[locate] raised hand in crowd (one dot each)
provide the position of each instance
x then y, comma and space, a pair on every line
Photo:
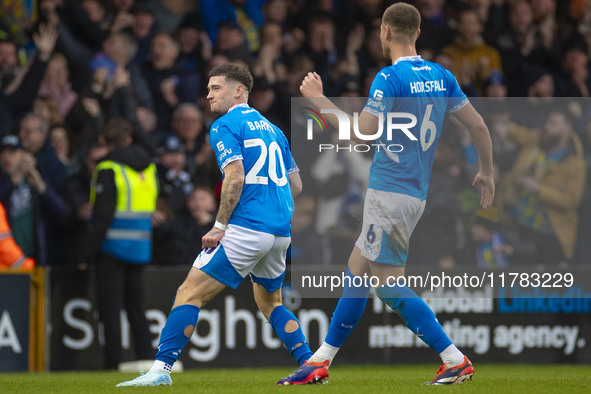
91, 106
168, 89
355, 41
120, 79
32, 173
123, 20
99, 79
45, 41
206, 45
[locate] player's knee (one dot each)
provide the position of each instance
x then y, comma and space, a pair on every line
186, 294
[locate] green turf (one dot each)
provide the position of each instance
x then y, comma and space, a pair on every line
503, 379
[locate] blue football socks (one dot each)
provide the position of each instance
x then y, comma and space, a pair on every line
417, 315
181, 321
292, 337
348, 312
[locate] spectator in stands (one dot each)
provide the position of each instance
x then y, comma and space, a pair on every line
276, 11
175, 182
170, 83
59, 139
196, 47
573, 79
522, 48
231, 42
539, 84
17, 93
178, 240
187, 125
88, 20
87, 115
268, 63
271, 101
371, 58
472, 59
495, 85
56, 84
47, 108
9, 66
118, 51
95, 10
358, 13
33, 207
77, 196
491, 251
545, 187
144, 29
307, 246
321, 48
247, 14
33, 132
435, 30
168, 13
545, 21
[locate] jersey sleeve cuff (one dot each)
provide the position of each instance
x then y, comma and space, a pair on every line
458, 106
372, 111
230, 159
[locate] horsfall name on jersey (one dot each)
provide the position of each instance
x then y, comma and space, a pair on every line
427, 86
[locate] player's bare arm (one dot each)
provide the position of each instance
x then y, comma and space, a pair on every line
311, 88
231, 192
472, 120
295, 184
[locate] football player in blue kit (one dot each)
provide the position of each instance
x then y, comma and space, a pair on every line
252, 229
422, 93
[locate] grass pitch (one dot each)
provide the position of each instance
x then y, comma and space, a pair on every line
375, 379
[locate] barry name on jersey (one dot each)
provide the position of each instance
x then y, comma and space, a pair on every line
427, 86
259, 125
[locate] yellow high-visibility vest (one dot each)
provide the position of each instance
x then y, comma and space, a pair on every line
129, 236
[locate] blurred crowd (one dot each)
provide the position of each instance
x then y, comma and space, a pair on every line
68, 66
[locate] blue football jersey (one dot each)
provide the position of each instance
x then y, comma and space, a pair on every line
411, 91
266, 203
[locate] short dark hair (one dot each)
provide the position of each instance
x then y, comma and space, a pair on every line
234, 72
402, 18
116, 131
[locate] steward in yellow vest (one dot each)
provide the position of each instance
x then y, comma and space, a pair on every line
123, 195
